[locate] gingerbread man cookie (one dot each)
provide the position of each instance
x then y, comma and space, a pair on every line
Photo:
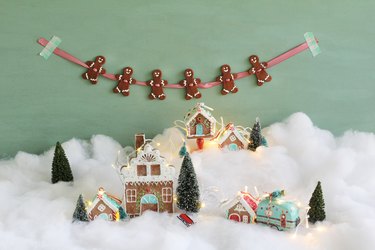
157, 85
94, 70
124, 82
227, 79
259, 69
190, 83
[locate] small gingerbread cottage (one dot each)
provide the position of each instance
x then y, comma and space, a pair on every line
232, 138
148, 181
105, 206
242, 208
199, 122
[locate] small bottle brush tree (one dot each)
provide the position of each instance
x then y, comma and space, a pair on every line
255, 136
183, 150
187, 189
60, 166
316, 212
80, 213
122, 213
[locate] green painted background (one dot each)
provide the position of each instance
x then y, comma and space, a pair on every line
45, 101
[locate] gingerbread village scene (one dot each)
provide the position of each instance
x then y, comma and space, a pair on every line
202, 125
151, 185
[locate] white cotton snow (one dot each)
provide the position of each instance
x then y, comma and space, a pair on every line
35, 214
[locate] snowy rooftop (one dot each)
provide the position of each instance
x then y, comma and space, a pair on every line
199, 108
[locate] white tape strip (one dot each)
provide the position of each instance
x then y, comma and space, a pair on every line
311, 42
50, 47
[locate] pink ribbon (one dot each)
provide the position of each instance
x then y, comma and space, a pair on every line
290, 53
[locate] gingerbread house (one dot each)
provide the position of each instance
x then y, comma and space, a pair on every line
242, 208
105, 206
231, 138
148, 181
199, 122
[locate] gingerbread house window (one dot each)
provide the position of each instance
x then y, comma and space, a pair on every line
141, 170
232, 138
166, 194
155, 169
192, 123
101, 207
206, 123
245, 219
131, 195
239, 207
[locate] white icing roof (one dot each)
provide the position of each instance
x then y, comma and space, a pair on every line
147, 156
200, 108
229, 128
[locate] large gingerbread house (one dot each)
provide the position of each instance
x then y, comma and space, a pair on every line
242, 208
232, 138
105, 206
148, 181
199, 122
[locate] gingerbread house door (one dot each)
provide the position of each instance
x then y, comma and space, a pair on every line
235, 217
149, 202
233, 147
199, 129
104, 216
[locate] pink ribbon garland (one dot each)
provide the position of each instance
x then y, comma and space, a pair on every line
292, 52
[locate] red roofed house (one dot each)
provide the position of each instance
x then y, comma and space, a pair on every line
242, 208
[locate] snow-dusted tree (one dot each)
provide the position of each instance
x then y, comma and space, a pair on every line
188, 189
183, 150
316, 212
255, 136
80, 213
60, 166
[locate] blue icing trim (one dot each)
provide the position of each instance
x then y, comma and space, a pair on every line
113, 202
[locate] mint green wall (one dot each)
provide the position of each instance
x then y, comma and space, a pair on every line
45, 101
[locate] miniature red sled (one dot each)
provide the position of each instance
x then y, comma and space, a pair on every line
185, 219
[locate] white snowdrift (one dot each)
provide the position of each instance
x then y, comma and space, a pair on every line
35, 214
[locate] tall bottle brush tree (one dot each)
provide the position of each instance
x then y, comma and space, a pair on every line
60, 166
80, 213
316, 212
255, 136
188, 189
